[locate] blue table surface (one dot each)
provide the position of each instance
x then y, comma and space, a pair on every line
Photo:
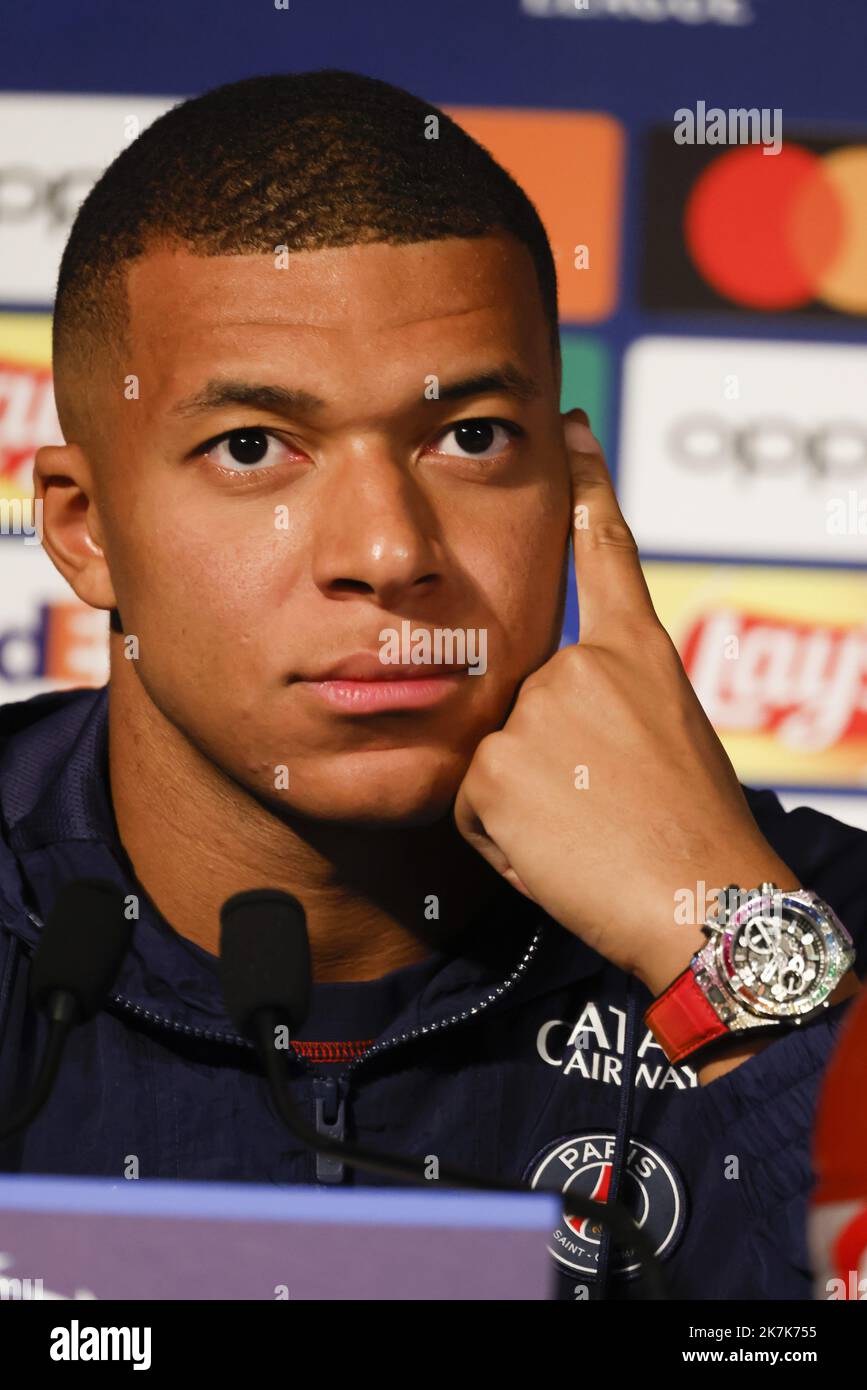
254, 1202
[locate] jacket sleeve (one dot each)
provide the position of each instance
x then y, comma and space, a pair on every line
827, 856
759, 1120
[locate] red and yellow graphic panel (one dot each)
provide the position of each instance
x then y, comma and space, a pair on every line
778, 658
27, 414
750, 232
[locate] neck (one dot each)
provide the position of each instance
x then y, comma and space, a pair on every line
194, 837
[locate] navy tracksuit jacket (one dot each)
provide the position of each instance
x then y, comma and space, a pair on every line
524, 1056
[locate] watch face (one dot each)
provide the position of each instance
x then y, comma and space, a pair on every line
774, 955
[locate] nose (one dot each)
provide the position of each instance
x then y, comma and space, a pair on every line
376, 532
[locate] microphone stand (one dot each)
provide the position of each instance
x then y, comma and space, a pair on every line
61, 1010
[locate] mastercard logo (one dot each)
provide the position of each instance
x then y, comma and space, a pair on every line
777, 232
735, 228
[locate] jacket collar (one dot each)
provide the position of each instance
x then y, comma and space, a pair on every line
55, 784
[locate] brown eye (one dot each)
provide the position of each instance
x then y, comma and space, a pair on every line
243, 450
481, 439
476, 436
248, 446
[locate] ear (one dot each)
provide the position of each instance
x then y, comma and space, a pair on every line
69, 523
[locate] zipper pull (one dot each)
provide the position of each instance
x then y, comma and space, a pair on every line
330, 1120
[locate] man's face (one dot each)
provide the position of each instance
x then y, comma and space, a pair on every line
249, 565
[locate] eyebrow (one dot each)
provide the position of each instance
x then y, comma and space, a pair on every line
284, 400
280, 400
506, 379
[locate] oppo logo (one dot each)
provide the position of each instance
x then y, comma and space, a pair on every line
770, 446
27, 193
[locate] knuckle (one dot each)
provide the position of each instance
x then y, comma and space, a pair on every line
530, 683
488, 758
579, 663
659, 644
574, 659
533, 694
614, 533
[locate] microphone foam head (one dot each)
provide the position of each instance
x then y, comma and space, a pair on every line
84, 940
264, 957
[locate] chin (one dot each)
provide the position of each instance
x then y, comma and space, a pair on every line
409, 792
399, 818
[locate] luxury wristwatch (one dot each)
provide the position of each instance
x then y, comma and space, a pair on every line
772, 960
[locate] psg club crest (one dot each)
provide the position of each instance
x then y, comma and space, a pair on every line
651, 1189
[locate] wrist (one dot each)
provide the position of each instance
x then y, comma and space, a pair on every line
672, 952
673, 945
774, 958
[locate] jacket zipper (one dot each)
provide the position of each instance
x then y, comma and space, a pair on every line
331, 1092
207, 1033
507, 984
330, 1095
334, 1090
210, 1035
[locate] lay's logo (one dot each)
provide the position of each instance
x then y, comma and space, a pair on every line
807, 685
784, 684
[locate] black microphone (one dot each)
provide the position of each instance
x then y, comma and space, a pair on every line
84, 940
265, 973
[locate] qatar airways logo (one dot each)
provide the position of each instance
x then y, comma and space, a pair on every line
805, 684
444, 646
593, 1047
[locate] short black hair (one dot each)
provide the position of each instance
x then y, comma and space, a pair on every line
296, 160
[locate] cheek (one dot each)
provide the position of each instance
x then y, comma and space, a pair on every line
197, 582
520, 561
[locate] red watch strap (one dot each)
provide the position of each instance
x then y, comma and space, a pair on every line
682, 1020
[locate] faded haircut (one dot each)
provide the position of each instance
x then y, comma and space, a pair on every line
303, 161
